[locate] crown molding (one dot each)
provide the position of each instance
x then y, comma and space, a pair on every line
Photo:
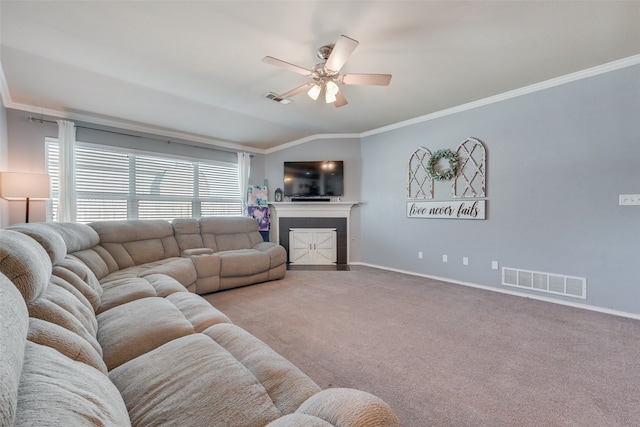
4, 88
568, 78
134, 127
118, 124
312, 138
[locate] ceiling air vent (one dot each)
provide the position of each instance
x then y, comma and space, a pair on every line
277, 98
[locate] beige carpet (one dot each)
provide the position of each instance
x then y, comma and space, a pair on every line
448, 355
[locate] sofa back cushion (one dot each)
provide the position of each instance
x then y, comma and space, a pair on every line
66, 342
57, 391
76, 236
137, 242
13, 333
46, 236
84, 282
229, 233
25, 263
59, 239
187, 231
57, 299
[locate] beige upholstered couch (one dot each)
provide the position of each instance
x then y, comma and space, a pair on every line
98, 327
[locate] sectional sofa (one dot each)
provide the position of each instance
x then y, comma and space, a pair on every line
102, 324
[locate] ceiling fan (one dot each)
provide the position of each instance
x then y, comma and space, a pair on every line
326, 74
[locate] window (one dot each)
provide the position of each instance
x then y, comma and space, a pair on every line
113, 184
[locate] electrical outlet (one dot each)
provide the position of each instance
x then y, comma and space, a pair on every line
629, 199
494, 265
465, 260
444, 258
419, 254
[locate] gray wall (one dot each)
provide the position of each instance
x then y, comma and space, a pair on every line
345, 149
557, 161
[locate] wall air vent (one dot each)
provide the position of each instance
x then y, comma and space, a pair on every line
275, 97
558, 284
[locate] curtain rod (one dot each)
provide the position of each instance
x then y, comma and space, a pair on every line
33, 119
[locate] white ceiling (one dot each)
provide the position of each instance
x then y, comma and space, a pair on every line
194, 67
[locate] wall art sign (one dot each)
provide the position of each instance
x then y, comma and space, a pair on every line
465, 167
466, 170
454, 209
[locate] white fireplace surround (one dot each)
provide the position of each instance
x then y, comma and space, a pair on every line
341, 209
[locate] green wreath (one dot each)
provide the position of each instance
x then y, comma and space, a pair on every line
443, 175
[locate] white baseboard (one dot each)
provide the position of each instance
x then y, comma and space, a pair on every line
507, 291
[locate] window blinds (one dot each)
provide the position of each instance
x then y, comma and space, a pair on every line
113, 184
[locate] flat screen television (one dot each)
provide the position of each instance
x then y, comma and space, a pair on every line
314, 179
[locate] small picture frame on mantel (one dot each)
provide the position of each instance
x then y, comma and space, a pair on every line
278, 195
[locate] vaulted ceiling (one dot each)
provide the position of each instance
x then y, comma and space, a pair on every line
194, 68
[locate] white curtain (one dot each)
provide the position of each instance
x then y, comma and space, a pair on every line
67, 195
244, 168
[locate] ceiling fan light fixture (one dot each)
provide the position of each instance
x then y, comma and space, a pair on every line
332, 87
326, 75
330, 97
314, 92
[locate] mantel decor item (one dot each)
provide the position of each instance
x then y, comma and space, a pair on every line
279, 195
443, 174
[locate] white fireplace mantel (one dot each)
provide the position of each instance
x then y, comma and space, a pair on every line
338, 209
312, 209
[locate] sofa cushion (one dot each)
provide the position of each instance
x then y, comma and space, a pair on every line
13, 335
299, 420
68, 302
197, 310
58, 306
81, 288
192, 381
76, 236
121, 291
349, 407
25, 263
137, 242
181, 269
229, 242
66, 342
85, 274
57, 391
46, 236
187, 232
137, 327
229, 233
243, 262
164, 285
98, 260
277, 254
287, 386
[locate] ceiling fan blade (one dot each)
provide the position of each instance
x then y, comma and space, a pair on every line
342, 50
366, 79
291, 67
297, 90
340, 100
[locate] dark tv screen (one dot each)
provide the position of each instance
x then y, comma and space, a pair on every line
314, 179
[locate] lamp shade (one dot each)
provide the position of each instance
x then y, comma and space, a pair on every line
17, 186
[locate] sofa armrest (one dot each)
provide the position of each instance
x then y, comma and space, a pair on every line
349, 407
277, 253
196, 252
207, 264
